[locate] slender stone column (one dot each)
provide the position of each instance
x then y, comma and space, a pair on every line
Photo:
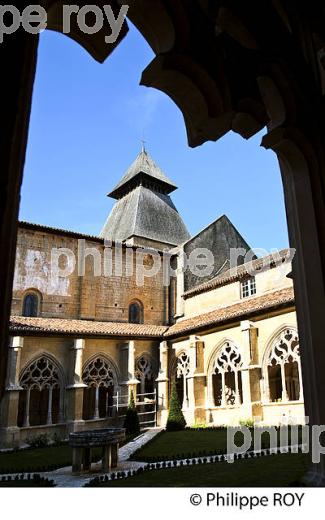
27, 405
283, 381
132, 381
76, 387
49, 407
237, 396
223, 389
96, 412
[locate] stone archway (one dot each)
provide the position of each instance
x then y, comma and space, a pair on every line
237, 76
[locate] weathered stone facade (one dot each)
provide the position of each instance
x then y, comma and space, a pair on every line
84, 335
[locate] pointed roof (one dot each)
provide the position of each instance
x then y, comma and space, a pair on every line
143, 168
146, 214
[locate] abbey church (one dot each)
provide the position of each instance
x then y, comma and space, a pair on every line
85, 332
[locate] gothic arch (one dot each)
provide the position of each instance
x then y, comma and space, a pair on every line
224, 376
145, 372
108, 359
51, 359
101, 376
281, 366
41, 399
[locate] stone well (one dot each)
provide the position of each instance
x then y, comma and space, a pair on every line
82, 442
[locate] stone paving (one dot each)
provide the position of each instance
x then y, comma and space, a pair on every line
63, 477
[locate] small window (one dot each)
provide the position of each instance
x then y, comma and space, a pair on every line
248, 287
30, 305
135, 313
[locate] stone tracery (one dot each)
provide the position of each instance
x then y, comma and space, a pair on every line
41, 401
284, 368
99, 376
226, 379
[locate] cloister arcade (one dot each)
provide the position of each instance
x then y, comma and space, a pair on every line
280, 380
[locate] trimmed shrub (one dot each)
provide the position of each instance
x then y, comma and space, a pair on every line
131, 421
176, 420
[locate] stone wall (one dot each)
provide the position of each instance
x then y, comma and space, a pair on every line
102, 298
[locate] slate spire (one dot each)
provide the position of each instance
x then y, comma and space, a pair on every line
144, 210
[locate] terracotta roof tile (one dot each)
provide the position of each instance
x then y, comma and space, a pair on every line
245, 307
21, 324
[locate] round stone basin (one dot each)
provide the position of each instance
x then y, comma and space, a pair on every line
96, 438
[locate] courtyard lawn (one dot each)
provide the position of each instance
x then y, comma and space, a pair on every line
38, 459
190, 442
274, 470
43, 459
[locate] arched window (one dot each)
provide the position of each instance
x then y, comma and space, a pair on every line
182, 371
31, 304
225, 380
41, 401
135, 312
144, 373
99, 376
284, 368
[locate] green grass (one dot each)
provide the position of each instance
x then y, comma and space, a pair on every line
39, 459
36, 459
274, 470
188, 442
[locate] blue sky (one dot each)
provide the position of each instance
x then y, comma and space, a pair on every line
86, 126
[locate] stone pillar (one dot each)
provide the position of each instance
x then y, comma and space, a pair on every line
196, 382
86, 459
9, 432
114, 455
76, 387
132, 382
163, 384
77, 455
302, 163
107, 458
250, 371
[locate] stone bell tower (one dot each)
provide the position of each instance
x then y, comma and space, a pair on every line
144, 213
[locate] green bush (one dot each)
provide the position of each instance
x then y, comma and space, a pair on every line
131, 421
176, 420
249, 423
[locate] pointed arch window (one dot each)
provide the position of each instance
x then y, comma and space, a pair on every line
136, 312
226, 382
283, 369
145, 374
31, 304
182, 370
100, 377
41, 401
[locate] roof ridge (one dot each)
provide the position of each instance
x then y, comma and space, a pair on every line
235, 273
